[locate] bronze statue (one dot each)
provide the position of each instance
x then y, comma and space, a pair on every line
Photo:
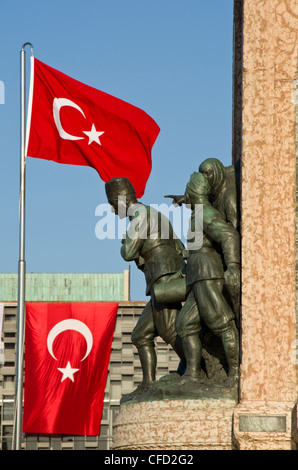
225, 197
216, 262
210, 268
224, 188
158, 253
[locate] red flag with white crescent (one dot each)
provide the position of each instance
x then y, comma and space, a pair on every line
67, 352
72, 123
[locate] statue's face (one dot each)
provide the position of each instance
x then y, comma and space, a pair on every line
208, 173
118, 206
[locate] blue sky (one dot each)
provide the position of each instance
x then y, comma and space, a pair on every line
171, 58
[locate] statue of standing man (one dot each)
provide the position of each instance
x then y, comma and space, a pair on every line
217, 260
151, 243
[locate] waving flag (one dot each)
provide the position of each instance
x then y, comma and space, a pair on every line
67, 351
73, 123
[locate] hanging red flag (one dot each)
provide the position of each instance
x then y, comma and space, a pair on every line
73, 123
67, 351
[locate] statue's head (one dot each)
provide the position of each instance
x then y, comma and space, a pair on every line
121, 194
215, 172
197, 189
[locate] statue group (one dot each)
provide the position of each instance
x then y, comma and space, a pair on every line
194, 291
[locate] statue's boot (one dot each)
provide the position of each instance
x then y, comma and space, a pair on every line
230, 341
139, 391
187, 384
192, 348
148, 361
178, 348
177, 345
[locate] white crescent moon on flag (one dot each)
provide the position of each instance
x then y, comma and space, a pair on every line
70, 324
58, 103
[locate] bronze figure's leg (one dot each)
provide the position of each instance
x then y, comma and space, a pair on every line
188, 327
230, 342
165, 316
193, 353
143, 338
219, 318
148, 360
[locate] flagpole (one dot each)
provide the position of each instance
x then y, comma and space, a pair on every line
18, 411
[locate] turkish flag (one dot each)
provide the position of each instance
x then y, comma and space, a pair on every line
67, 352
73, 123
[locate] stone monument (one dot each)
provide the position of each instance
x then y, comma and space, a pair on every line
257, 408
207, 389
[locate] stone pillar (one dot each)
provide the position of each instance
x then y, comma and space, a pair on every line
266, 416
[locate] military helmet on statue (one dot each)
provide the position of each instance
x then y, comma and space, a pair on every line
119, 186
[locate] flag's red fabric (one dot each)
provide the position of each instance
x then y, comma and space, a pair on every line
73, 123
67, 351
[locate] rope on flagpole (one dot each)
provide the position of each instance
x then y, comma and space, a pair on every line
18, 409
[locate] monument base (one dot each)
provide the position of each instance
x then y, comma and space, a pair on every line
204, 424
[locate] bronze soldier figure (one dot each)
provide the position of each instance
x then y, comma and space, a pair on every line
223, 189
151, 243
225, 197
205, 274
208, 267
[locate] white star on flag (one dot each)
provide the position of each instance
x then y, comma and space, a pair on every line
67, 372
93, 135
